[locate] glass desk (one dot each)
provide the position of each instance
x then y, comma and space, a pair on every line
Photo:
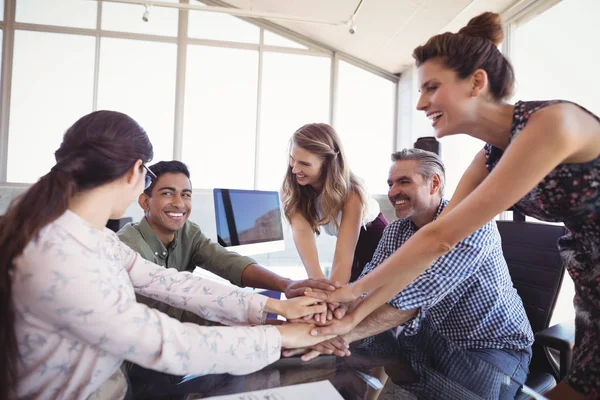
417, 367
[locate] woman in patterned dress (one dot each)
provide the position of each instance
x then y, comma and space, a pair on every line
543, 156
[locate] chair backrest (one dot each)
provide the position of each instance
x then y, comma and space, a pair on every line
535, 266
116, 224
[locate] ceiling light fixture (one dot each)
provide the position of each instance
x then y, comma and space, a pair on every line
146, 15
232, 11
351, 23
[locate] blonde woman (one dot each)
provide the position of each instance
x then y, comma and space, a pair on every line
320, 191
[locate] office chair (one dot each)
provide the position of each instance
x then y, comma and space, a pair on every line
116, 224
537, 270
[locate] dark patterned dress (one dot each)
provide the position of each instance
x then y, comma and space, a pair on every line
570, 194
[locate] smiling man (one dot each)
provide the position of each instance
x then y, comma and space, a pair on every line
465, 302
166, 237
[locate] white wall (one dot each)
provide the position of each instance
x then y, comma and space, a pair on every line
412, 124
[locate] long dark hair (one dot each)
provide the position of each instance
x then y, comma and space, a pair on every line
99, 148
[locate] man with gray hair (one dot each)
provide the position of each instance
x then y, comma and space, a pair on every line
465, 303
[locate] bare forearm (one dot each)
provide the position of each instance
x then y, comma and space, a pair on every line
340, 273
375, 299
342, 265
310, 260
382, 319
347, 239
307, 250
258, 277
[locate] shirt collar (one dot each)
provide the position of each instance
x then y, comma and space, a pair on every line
152, 239
82, 231
443, 204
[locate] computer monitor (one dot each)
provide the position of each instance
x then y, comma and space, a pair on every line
248, 221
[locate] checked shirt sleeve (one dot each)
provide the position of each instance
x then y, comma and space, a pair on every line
446, 273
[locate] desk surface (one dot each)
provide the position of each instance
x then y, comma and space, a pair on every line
417, 368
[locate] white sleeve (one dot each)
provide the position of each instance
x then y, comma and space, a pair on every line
76, 295
204, 297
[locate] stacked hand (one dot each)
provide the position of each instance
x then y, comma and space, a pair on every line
334, 310
336, 300
343, 294
295, 308
294, 336
332, 343
297, 288
317, 319
337, 346
335, 321
308, 309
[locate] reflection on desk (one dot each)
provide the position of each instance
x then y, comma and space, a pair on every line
319, 390
413, 368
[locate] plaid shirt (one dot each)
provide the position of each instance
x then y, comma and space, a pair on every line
467, 294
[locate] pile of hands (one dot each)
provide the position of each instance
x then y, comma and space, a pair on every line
319, 319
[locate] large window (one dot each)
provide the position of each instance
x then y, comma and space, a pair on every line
550, 64
365, 123
224, 95
213, 95
220, 116
272, 39
52, 86
295, 92
457, 153
72, 13
214, 26
137, 78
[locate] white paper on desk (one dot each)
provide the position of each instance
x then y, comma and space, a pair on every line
314, 390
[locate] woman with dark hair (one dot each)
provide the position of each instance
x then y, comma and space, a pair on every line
68, 314
543, 157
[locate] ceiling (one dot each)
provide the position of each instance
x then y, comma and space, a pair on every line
387, 30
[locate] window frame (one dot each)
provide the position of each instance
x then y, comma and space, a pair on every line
9, 26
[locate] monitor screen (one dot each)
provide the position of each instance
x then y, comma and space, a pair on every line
247, 217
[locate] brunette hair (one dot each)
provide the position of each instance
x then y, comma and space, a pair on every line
474, 47
99, 148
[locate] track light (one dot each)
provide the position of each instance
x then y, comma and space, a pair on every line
224, 10
351, 26
146, 16
351, 23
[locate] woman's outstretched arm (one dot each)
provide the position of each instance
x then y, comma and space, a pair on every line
306, 244
550, 138
341, 269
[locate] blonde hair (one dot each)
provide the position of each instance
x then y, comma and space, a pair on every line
339, 182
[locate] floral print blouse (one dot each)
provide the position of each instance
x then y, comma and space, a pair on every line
77, 318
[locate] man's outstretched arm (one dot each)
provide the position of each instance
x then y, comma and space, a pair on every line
259, 277
384, 318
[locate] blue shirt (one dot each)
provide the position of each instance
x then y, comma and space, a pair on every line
467, 294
